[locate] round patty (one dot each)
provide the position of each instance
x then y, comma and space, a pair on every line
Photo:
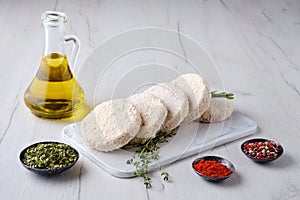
153, 112
175, 100
219, 110
197, 92
111, 125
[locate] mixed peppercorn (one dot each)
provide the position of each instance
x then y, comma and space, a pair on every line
261, 150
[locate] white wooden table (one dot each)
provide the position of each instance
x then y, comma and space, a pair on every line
256, 46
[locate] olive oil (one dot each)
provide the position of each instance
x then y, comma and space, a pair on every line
54, 92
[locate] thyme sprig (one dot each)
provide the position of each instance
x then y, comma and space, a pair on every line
145, 154
222, 94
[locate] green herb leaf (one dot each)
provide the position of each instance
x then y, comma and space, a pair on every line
146, 153
129, 161
215, 94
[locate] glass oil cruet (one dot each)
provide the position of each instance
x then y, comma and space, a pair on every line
54, 93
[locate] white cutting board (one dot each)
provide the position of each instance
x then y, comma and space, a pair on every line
190, 139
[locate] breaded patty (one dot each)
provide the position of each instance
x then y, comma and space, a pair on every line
219, 110
111, 125
176, 102
153, 112
197, 92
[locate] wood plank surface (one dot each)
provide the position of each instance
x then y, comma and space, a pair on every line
255, 45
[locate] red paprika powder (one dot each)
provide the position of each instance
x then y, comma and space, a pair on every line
212, 168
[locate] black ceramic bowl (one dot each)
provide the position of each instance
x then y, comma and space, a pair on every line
262, 160
223, 161
45, 171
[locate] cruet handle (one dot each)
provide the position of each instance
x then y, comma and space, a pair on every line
75, 49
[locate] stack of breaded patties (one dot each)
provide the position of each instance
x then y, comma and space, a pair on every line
162, 107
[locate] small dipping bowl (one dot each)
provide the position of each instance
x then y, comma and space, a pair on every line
262, 160
48, 171
221, 160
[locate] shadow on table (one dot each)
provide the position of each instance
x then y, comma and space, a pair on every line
234, 180
76, 172
285, 161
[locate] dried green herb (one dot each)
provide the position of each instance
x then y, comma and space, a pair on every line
145, 154
49, 156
